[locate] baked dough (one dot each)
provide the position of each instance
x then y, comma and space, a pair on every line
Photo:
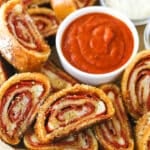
45, 20
115, 133
142, 132
20, 42
58, 78
135, 85
84, 140
71, 110
20, 98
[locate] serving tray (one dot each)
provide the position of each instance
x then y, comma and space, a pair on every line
54, 57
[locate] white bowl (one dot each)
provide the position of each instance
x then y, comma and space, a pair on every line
131, 9
90, 78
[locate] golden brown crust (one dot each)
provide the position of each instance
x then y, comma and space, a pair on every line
142, 132
26, 51
82, 140
45, 20
20, 98
84, 3
58, 78
63, 8
71, 110
115, 133
135, 85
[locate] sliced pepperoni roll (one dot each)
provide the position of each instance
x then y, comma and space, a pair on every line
21, 44
45, 20
142, 132
115, 133
20, 98
135, 85
71, 110
84, 140
58, 78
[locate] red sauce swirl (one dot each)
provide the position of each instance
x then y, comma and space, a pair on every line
97, 43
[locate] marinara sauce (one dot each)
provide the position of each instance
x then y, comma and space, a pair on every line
97, 43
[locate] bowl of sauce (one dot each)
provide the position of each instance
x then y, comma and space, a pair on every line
95, 44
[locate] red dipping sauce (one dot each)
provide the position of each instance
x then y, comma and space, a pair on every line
97, 43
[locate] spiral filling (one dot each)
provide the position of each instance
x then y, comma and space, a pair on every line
71, 108
138, 85
18, 105
21, 26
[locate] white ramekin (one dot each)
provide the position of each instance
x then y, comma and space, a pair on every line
90, 78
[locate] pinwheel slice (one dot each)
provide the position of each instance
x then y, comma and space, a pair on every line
20, 98
135, 85
84, 3
84, 140
58, 78
20, 42
45, 20
71, 110
142, 132
115, 133
63, 8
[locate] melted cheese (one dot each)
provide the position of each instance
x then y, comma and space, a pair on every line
18, 9
37, 90
34, 139
100, 107
121, 141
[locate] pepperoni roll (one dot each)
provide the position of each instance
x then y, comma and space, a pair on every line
58, 78
20, 98
135, 85
115, 133
71, 110
45, 20
84, 140
20, 42
142, 132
